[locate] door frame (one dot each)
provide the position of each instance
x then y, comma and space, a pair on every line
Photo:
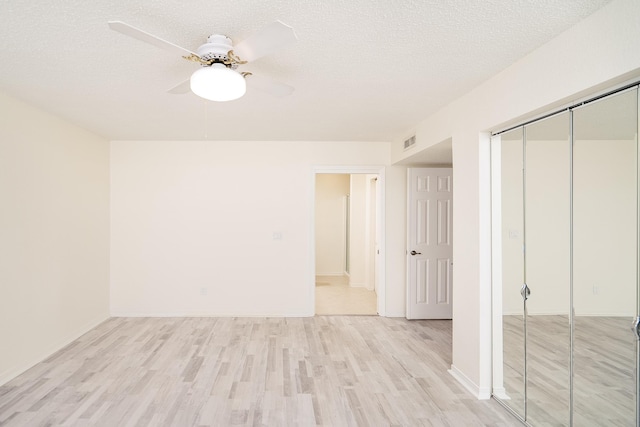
373, 228
497, 365
380, 214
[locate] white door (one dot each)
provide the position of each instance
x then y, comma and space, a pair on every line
430, 250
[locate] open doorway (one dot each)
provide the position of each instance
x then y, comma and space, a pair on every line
346, 244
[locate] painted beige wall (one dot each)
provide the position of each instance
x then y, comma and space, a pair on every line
54, 234
601, 51
187, 240
331, 190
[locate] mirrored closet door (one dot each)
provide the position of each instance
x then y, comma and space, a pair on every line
565, 265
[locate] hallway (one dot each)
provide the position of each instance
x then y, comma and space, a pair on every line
335, 296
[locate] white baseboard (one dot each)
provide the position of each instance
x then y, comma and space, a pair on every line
607, 314
501, 393
202, 314
401, 314
565, 314
539, 313
481, 393
14, 371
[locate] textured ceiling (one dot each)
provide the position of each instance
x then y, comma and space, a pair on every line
364, 70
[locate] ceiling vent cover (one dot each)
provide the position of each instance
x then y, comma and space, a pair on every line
410, 142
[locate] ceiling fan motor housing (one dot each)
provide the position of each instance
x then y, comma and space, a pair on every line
216, 48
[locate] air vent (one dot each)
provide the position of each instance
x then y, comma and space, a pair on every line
409, 142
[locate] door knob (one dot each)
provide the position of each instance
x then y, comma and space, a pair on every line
415, 253
636, 327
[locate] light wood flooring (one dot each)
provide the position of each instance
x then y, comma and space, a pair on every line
335, 296
604, 370
323, 370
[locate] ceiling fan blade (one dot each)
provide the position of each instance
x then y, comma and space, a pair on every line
180, 88
269, 86
271, 38
136, 33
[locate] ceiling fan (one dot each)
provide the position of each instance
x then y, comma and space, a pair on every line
218, 78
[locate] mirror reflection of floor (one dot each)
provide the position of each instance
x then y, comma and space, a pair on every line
604, 369
335, 296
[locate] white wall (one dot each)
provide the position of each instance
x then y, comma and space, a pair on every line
605, 228
193, 226
604, 211
601, 51
358, 230
54, 234
511, 210
395, 250
331, 190
547, 226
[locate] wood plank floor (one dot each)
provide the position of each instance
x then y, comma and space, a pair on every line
604, 370
323, 370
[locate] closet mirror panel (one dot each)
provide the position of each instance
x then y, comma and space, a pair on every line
565, 222
547, 219
605, 260
510, 319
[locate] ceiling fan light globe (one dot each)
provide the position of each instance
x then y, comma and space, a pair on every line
218, 83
